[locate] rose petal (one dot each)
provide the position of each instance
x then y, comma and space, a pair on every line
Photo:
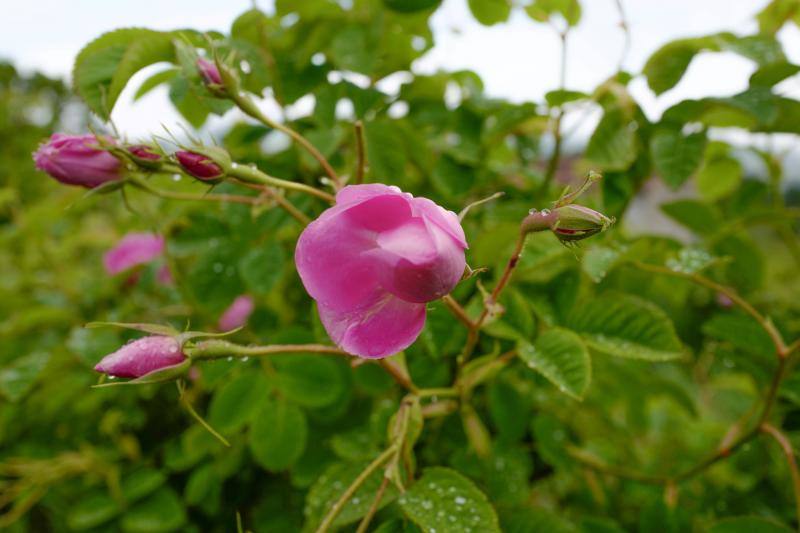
133, 249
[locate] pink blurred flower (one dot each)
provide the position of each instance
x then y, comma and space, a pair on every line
199, 165
236, 315
372, 262
209, 72
132, 250
141, 357
77, 160
164, 276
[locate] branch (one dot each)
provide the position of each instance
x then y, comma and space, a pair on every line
555, 157
362, 527
285, 204
247, 105
175, 195
217, 349
786, 447
326, 524
253, 175
458, 311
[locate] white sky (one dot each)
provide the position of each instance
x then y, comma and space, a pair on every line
517, 60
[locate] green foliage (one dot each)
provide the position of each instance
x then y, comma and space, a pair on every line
634, 326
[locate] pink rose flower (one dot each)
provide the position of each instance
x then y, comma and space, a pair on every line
208, 71
141, 357
199, 165
236, 315
373, 260
77, 160
132, 250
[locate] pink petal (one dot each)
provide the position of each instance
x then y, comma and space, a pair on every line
134, 249
335, 257
359, 193
447, 220
386, 327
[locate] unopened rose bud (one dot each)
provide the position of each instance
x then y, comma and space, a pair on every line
200, 166
77, 160
211, 77
236, 315
144, 153
576, 222
142, 356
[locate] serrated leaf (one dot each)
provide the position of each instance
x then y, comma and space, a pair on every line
676, 156
699, 217
598, 261
154, 81
561, 356
719, 177
104, 66
309, 380
626, 326
278, 435
741, 331
691, 260
613, 144
262, 267
444, 500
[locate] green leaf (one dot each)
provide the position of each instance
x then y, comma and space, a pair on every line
386, 156
533, 520
18, 378
741, 331
691, 260
328, 488
444, 500
91, 511
411, 6
490, 12
309, 380
154, 81
104, 66
719, 177
613, 144
262, 267
598, 261
201, 485
626, 326
278, 435
560, 97
773, 73
699, 217
676, 156
776, 14
748, 524
543, 10
162, 511
351, 49
238, 401
560, 356
140, 483
746, 269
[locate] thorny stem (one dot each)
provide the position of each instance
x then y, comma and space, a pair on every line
327, 522
786, 447
253, 175
218, 349
285, 204
246, 104
459, 312
361, 162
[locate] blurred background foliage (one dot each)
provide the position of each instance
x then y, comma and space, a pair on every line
301, 427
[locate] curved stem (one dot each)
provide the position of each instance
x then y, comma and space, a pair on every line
555, 157
246, 104
458, 311
786, 447
327, 522
285, 204
253, 175
362, 527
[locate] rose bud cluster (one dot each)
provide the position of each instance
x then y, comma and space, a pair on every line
373, 260
78, 160
143, 356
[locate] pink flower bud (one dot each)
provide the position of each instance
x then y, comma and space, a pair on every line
236, 315
132, 250
141, 357
77, 160
372, 262
144, 152
199, 165
576, 222
209, 72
